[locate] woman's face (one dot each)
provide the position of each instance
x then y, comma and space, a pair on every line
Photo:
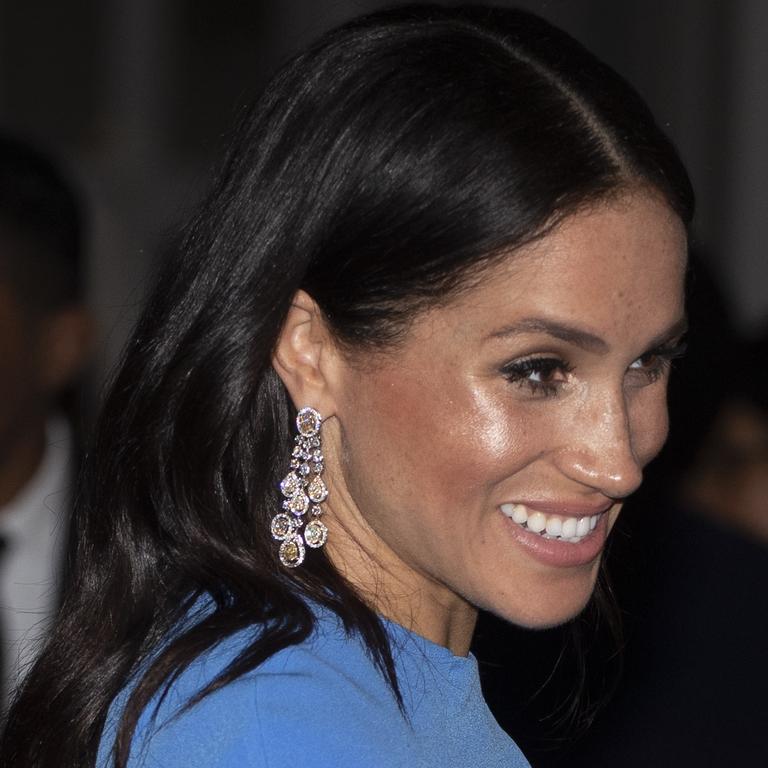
485, 460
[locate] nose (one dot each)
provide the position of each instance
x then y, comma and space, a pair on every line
600, 452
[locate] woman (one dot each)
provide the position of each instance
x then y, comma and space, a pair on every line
410, 362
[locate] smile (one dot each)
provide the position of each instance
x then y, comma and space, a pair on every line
569, 529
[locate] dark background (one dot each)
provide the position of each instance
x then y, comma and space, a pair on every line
136, 97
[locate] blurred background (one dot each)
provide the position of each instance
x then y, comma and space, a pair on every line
135, 99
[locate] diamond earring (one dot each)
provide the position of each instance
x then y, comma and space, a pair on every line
304, 492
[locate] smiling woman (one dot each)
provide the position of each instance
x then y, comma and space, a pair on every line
408, 364
484, 459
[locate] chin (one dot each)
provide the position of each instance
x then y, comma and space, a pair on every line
553, 606
548, 620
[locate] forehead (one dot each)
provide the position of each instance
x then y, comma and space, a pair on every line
611, 269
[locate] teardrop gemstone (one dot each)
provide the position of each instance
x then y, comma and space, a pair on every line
316, 490
290, 485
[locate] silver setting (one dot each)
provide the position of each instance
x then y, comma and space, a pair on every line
316, 490
292, 552
315, 533
282, 526
304, 490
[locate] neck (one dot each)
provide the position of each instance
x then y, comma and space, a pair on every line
397, 592
451, 627
19, 462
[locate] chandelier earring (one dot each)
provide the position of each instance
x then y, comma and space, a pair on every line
299, 525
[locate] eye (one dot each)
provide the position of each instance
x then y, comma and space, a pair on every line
543, 376
654, 364
650, 366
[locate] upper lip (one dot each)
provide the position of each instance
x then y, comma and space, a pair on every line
566, 508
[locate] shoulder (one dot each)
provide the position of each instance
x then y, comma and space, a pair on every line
321, 703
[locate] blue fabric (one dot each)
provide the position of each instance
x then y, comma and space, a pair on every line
323, 704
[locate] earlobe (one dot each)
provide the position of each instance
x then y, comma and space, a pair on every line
305, 355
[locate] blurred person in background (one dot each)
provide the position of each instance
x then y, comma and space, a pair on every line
45, 333
728, 478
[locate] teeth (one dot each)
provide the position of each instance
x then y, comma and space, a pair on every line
554, 526
568, 529
537, 522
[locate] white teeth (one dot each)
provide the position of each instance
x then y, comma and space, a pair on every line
568, 529
554, 526
537, 522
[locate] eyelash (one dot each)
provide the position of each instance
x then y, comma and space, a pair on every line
519, 371
664, 356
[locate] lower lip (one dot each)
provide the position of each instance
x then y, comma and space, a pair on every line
561, 554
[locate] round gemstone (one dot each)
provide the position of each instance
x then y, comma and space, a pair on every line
292, 552
298, 504
316, 490
315, 533
308, 422
282, 526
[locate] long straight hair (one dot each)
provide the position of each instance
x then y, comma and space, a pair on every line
380, 171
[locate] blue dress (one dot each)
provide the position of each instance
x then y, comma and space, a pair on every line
323, 704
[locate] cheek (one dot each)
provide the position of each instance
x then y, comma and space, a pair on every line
449, 441
391, 433
504, 435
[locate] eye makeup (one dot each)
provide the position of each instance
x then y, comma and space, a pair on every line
544, 375
656, 362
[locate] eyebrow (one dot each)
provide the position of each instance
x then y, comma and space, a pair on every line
577, 336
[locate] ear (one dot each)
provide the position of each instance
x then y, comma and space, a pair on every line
66, 342
306, 357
